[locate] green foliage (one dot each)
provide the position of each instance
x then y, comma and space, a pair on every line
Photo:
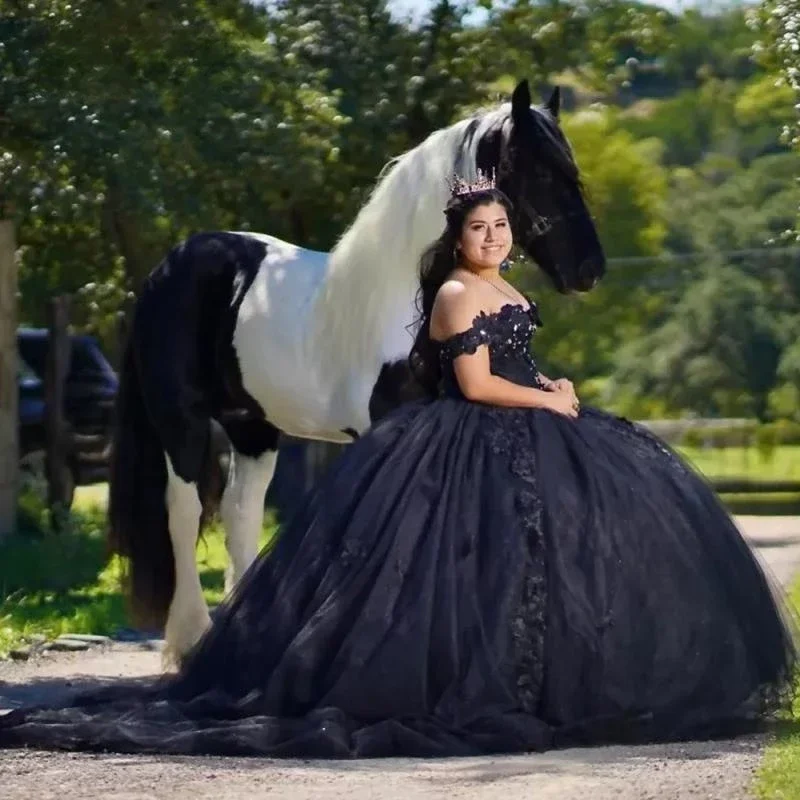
724, 116
765, 99
777, 776
140, 124
702, 45
719, 205
778, 49
404, 84
126, 127
626, 186
595, 39
716, 351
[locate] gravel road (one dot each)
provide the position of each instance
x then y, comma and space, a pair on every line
710, 770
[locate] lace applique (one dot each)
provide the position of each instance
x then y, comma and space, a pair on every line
507, 333
640, 440
510, 436
465, 342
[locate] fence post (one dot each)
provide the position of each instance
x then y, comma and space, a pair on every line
57, 462
9, 390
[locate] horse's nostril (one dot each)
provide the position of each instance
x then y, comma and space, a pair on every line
590, 271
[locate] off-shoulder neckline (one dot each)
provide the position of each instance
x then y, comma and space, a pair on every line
484, 315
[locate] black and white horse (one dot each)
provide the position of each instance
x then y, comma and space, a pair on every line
266, 337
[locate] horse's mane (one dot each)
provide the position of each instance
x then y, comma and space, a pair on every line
555, 148
372, 275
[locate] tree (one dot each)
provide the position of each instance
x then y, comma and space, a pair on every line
594, 40
135, 125
404, 84
716, 350
703, 45
778, 50
718, 205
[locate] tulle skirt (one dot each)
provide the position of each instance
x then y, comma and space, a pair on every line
465, 580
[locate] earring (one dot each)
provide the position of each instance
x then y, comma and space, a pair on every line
506, 265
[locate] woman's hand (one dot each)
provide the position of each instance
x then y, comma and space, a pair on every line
563, 402
562, 385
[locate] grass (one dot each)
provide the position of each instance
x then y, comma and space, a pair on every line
778, 777
52, 584
66, 583
783, 463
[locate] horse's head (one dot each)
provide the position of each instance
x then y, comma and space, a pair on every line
536, 169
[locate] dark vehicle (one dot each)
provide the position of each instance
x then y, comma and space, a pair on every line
91, 387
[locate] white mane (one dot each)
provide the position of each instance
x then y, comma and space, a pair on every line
372, 271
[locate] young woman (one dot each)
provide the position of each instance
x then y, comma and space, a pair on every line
493, 569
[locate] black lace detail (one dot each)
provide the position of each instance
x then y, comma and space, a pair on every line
465, 342
510, 435
639, 439
507, 333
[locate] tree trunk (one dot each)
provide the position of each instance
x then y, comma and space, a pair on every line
133, 240
9, 419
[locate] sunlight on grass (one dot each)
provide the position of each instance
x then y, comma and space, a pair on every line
783, 463
65, 583
778, 777
90, 498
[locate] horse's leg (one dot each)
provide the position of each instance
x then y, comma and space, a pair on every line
255, 445
188, 613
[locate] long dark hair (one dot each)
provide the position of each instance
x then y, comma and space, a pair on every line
436, 264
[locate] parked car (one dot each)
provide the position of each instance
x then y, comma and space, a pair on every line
89, 393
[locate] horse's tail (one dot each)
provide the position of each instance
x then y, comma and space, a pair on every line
169, 385
137, 509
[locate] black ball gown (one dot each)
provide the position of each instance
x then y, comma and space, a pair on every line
472, 579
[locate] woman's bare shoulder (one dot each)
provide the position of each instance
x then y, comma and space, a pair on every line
455, 308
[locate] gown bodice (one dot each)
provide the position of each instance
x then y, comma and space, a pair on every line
507, 333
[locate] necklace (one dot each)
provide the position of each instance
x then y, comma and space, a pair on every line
516, 300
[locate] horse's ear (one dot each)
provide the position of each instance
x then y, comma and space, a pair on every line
521, 100
554, 103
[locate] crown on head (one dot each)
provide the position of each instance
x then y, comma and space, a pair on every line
484, 182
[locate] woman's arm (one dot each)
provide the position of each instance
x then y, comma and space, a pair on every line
453, 312
479, 385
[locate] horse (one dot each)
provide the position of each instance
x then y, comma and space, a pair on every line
265, 338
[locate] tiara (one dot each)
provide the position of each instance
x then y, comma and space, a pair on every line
484, 182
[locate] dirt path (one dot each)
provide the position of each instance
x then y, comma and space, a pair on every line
711, 770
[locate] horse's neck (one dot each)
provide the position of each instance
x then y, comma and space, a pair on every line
367, 301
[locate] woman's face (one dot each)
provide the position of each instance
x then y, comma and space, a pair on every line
486, 237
